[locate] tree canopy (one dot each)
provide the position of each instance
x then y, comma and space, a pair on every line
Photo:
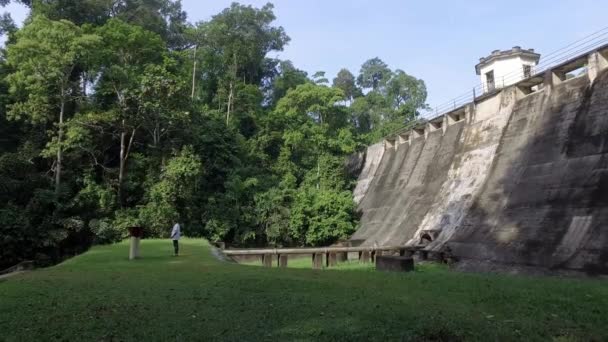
122, 113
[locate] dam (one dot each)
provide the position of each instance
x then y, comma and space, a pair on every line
516, 179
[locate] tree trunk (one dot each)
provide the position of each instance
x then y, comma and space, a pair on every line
121, 170
194, 74
59, 149
230, 94
125, 150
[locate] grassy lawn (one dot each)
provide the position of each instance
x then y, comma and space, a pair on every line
102, 296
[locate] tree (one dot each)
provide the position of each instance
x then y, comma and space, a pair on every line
127, 55
345, 81
285, 77
163, 17
45, 56
407, 92
236, 43
313, 101
169, 198
374, 74
319, 78
152, 119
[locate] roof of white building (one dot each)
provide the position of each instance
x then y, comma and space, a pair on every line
498, 54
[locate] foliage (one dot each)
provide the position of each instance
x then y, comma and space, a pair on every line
121, 113
374, 74
346, 82
320, 217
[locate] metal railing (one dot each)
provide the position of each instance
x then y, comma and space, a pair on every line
584, 45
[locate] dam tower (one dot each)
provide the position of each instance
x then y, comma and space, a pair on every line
503, 68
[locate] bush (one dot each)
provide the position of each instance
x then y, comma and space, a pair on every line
106, 232
320, 217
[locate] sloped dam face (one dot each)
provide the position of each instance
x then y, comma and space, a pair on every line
522, 180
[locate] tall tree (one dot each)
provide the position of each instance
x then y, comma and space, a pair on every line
44, 57
128, 51
407, 93
319, 77
236, 42
374, 74
286, 77
164, 17
345, 81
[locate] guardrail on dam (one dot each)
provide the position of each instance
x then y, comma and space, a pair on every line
517, 177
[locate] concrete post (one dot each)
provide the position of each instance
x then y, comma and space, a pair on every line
597, 62
332, 260
552, 78
317, 261
134, 249
444, 125
404, 138
364, 256
267, 260
389, 144
377, 254
283, 260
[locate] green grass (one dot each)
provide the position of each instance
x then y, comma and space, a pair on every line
101, 296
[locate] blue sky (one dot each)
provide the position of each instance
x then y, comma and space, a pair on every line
438, 41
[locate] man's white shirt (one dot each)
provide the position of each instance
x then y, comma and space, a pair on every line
176, 233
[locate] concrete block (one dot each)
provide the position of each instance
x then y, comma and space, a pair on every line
597, 62
394, 263
553, 78
389, 144
406, 252
417, 132
404, 138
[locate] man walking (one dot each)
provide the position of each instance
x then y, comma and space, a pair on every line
175, 235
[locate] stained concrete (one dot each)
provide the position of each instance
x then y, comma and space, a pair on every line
371, 160
523, 182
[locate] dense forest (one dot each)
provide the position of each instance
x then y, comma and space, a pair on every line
116, 113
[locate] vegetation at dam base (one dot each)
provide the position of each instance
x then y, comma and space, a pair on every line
196, 297
110, 119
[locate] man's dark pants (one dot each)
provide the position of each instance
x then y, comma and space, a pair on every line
176, 246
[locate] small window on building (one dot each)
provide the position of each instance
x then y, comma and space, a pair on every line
527, 71
490, 80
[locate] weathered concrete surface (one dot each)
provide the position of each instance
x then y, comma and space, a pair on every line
546, 201
524, 182
372, 157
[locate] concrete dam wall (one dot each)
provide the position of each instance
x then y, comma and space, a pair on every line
519, 177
